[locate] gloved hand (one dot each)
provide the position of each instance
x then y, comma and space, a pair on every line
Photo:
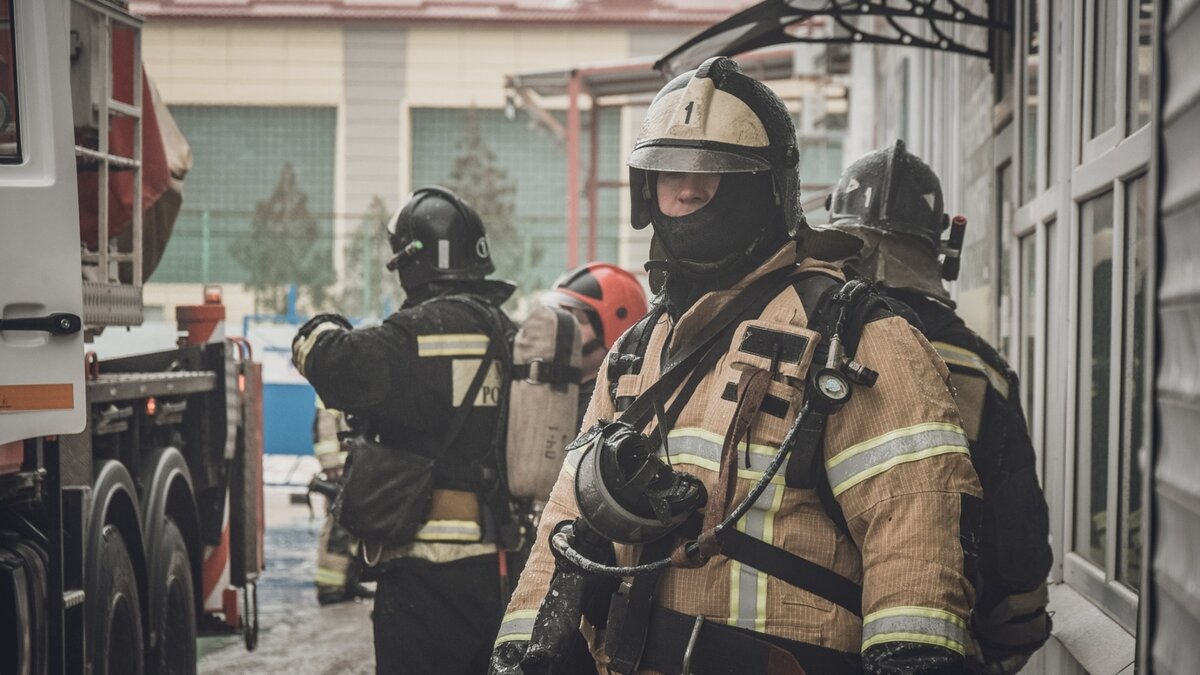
307, 336
506, 658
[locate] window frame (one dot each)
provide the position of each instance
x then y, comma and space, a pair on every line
1084, 168
1095, 146
1113, 170
19, 150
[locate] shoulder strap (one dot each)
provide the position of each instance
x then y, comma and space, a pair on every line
497, 349
689, 356
627, 358
493, 486
806, 469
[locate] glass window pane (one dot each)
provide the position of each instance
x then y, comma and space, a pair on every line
1135, 440
10, 148
1141, 58
1030, 110
1004, 82
1092, 437
1029, 324
1004, 197
1054, 56
1104, 66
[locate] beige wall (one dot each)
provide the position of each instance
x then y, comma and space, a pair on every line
455, 66
230, 64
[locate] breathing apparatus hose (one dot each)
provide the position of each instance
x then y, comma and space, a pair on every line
560, 541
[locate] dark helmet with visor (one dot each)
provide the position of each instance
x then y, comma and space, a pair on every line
888, 211
437, 236
715, 119
889, 191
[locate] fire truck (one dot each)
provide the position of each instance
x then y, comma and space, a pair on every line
130, 488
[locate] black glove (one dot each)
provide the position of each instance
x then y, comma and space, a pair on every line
506, 658
301, 344
911, 658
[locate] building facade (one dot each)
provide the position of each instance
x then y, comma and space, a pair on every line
361, 106
1085, 278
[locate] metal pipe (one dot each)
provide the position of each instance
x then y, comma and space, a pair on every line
593, 165
573, 124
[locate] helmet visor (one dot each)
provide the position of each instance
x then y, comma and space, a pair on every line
695, 160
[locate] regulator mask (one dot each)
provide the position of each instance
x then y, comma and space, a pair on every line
625, 492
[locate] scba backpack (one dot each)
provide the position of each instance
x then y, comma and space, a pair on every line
543, 401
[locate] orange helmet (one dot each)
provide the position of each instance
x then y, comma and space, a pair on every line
612, 297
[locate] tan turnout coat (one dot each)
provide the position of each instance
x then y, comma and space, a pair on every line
897, 460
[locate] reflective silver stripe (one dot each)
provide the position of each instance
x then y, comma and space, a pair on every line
452, 344
702, 448
915, 624
748, 586
517, 626
871, 458
450, 530
300, 351
958, 356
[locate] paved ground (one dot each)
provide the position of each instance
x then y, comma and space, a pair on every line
297, 636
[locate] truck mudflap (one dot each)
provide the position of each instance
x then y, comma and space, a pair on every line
245, 485
232, 567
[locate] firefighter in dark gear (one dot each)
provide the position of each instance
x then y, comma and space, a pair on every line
339, 567
605, 300
890, 203
714, 171
439, 599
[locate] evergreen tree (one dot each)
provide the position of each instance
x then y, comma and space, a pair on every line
368, 288
477, 177
285, 245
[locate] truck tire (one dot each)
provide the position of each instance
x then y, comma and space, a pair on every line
174, 596
116, 616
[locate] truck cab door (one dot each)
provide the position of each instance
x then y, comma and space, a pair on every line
41, 297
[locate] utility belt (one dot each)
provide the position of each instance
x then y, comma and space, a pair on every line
454, 517
678, 643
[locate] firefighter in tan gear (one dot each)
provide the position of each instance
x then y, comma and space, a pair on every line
842, 543
338, 564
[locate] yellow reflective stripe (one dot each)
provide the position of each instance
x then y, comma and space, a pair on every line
326, 447
328, 577
300, 351
915, 624
747, 585
450, 530
516, 625
954, 355
872, 457
452, 344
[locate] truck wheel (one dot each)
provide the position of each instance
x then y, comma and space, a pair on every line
116, 615
174, 595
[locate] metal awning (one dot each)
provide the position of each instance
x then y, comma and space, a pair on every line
634, 77
611, 84
945, 25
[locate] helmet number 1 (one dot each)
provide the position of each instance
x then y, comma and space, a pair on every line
689, 108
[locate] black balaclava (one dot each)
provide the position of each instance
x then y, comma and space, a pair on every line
720, 243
